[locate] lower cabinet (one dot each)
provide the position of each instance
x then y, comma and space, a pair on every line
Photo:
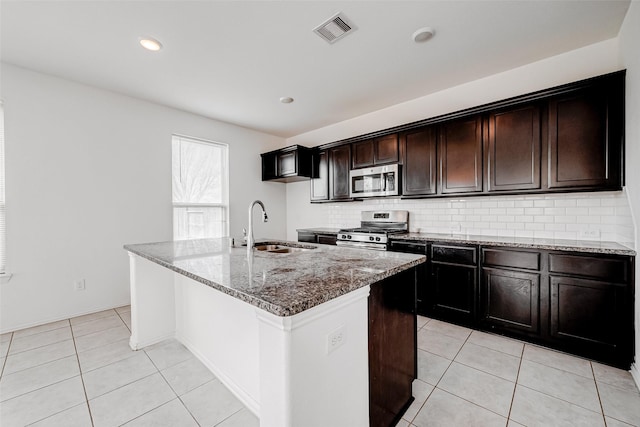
576, 302
453, 287
579, 303
317, 237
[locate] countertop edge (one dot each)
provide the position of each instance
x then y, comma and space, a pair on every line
279, 310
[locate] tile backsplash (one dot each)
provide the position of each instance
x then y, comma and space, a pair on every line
602, 216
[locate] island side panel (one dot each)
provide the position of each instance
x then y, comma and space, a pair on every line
152, 303
222, 332
392, 347
302, 381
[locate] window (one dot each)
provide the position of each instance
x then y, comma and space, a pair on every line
200, 188
3, 256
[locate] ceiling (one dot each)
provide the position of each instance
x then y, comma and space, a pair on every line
233, 60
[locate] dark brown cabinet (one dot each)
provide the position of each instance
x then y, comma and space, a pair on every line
322, 238
460, 156
339, 167
320, 182
453, 287
289, 164
422, 276
513, 155
585, 134
374, 152
591, 305
392, 348
419, 161
510, 290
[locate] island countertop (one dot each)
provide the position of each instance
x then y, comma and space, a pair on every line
282, 284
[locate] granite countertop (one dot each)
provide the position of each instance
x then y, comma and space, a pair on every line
282, 284
521, 242
320, 230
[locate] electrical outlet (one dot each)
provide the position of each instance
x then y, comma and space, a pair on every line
336, 338
78, 285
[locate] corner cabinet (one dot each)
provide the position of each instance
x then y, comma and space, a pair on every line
585, 137
290, 164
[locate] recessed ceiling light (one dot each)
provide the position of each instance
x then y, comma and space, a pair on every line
423, 34
150, 44
286, 100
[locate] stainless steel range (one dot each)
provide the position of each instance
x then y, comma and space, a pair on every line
375, 229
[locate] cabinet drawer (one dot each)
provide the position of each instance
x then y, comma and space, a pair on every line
454, 254
604, 268
327, 239
511, 259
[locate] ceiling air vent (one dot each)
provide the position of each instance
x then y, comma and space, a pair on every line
335, 28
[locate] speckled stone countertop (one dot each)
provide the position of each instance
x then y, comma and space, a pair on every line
320, 230
282, 284
520, 242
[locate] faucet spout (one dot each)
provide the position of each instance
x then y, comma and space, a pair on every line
265, 218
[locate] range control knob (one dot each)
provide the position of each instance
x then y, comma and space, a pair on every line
349, 236
377, 239
371, 238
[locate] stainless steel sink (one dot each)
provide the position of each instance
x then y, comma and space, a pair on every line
281, 249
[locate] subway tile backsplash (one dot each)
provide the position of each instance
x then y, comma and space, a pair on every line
602, 216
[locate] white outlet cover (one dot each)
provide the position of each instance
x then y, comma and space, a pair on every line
336, 338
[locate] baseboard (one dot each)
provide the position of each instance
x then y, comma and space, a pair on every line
635, 373
237, 391
58, 318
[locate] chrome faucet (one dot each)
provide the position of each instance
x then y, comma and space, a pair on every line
250, 238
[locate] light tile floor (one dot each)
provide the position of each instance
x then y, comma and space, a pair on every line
81, 372
471, 378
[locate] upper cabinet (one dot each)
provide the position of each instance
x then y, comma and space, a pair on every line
290, 164
419, 161
585, 137
339, 166
375, 152
460, 156
566, 138
513, 155
320, 184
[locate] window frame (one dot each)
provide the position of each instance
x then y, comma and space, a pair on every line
225, 183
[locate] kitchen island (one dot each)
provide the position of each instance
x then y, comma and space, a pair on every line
289, 333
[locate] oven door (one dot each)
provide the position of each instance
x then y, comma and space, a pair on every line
362, 245
374, 182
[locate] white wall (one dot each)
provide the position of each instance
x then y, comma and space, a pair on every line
88, 171
593, 60
630, 55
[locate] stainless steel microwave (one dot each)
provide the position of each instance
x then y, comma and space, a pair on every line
376, 181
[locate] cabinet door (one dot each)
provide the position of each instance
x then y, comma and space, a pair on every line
339, 166
513, 149
510, 299
287, 164
385, 150
269, 166
585, 140
327, 239
320, 184
363, 154
419, 162
453, 292
591, 317
460, 152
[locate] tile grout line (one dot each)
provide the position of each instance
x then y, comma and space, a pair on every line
84, 388
6, 356
125, 323
593, 372
513, 397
